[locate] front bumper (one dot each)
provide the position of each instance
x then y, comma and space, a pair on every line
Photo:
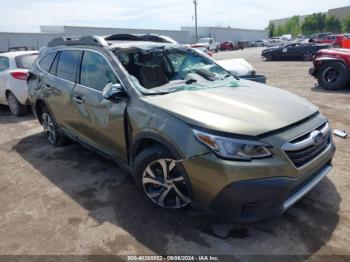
249, 201
313, 71
251, 191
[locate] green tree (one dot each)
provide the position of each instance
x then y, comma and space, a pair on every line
333, 24
292, 26
314, 23
279, 30
346, 24
271, 29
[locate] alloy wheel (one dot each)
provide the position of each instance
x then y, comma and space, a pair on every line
49, 128
330, 75
13, 105
164, 184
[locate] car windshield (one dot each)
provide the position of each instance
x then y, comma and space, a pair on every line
168, 69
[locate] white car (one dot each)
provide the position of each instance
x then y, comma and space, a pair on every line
209, 43
237, 66
14, 68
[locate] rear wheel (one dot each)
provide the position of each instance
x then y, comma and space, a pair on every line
307, 56
333, 75
15, 106
161, 178
51, 129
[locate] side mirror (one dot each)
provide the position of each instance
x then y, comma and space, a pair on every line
113, 92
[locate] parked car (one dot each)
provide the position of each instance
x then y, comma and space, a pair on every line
241, 68
243, 44
229, 45
294, 51
13, 75
209, 43
331, 67
21, 48
345, 41
186, 129
260, 43
335, 40
319, 37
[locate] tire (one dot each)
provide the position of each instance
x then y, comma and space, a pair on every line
51, 129
15, 106
308, 55
269, 57
333, 76
168, 191
337, 46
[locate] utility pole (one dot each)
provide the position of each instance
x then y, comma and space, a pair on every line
195, 2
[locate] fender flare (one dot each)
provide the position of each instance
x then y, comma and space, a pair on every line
152, 135
332, 59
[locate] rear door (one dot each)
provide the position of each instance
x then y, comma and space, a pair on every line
58, 86
100, 121
4, 66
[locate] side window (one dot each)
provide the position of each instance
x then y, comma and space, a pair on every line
176, 59
4, 63
46, 61
67, 64
53, 69
95, 71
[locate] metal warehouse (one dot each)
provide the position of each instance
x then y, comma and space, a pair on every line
185, 35
222, 34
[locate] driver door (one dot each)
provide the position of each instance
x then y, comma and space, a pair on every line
100, 122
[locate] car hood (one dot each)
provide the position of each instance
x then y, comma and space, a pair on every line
237, 66
249, 109
271, 48
335, 51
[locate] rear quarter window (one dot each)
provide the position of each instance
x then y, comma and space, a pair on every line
46, 61
4, 63
25, 61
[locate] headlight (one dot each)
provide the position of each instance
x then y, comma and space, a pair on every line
236, 149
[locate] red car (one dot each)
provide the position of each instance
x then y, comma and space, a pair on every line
331, 67
228, 45
335, 40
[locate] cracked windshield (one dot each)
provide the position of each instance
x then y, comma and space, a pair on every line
163, 70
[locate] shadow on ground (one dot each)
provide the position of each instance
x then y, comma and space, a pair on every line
6, 117
319, 89
99, 186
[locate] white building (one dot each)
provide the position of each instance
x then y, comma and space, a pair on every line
185, 35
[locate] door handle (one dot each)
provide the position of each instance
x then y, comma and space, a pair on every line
78, 100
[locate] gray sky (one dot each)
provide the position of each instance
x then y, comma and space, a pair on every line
26, 16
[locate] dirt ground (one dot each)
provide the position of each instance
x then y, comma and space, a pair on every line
69, 200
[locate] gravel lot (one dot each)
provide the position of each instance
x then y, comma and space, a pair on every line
69, 200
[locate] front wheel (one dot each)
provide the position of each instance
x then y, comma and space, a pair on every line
269, 57
161, 178
333, 76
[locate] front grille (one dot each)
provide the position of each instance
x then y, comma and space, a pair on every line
304, 149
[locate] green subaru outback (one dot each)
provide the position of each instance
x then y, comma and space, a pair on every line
187, 130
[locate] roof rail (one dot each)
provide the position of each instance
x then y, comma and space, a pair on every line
123, 37
83, 40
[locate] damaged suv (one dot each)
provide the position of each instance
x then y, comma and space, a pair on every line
187, 130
